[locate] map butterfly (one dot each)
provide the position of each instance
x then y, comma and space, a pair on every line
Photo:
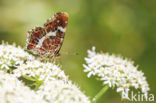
46, 41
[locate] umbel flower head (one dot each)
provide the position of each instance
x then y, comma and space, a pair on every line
59, 91
12, 56
43, 71
13, 91
115, 72
26, 80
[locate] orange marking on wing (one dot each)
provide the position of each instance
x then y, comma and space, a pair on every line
42, 50
30, 46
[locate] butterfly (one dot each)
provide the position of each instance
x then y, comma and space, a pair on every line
46, 41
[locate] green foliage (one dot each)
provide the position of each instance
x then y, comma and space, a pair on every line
31, 82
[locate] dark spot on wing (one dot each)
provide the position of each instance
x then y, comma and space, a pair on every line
52, 37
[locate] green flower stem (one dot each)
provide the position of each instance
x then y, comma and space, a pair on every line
99, 94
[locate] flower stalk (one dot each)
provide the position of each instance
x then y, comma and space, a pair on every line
100, 93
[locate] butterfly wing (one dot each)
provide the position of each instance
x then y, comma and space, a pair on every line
33, 38
55, 28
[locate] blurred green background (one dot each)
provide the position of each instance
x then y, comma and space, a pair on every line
126, 27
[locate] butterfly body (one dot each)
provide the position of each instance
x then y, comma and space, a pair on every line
46, 41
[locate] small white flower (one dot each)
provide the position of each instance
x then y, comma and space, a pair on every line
90, 69
4, 66
116, 72
91, 53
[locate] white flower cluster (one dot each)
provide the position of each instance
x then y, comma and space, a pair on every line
13, 91
54, 88
116, 72
59, 91
45, 71
11, 56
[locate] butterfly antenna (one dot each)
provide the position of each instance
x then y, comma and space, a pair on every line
69, 53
